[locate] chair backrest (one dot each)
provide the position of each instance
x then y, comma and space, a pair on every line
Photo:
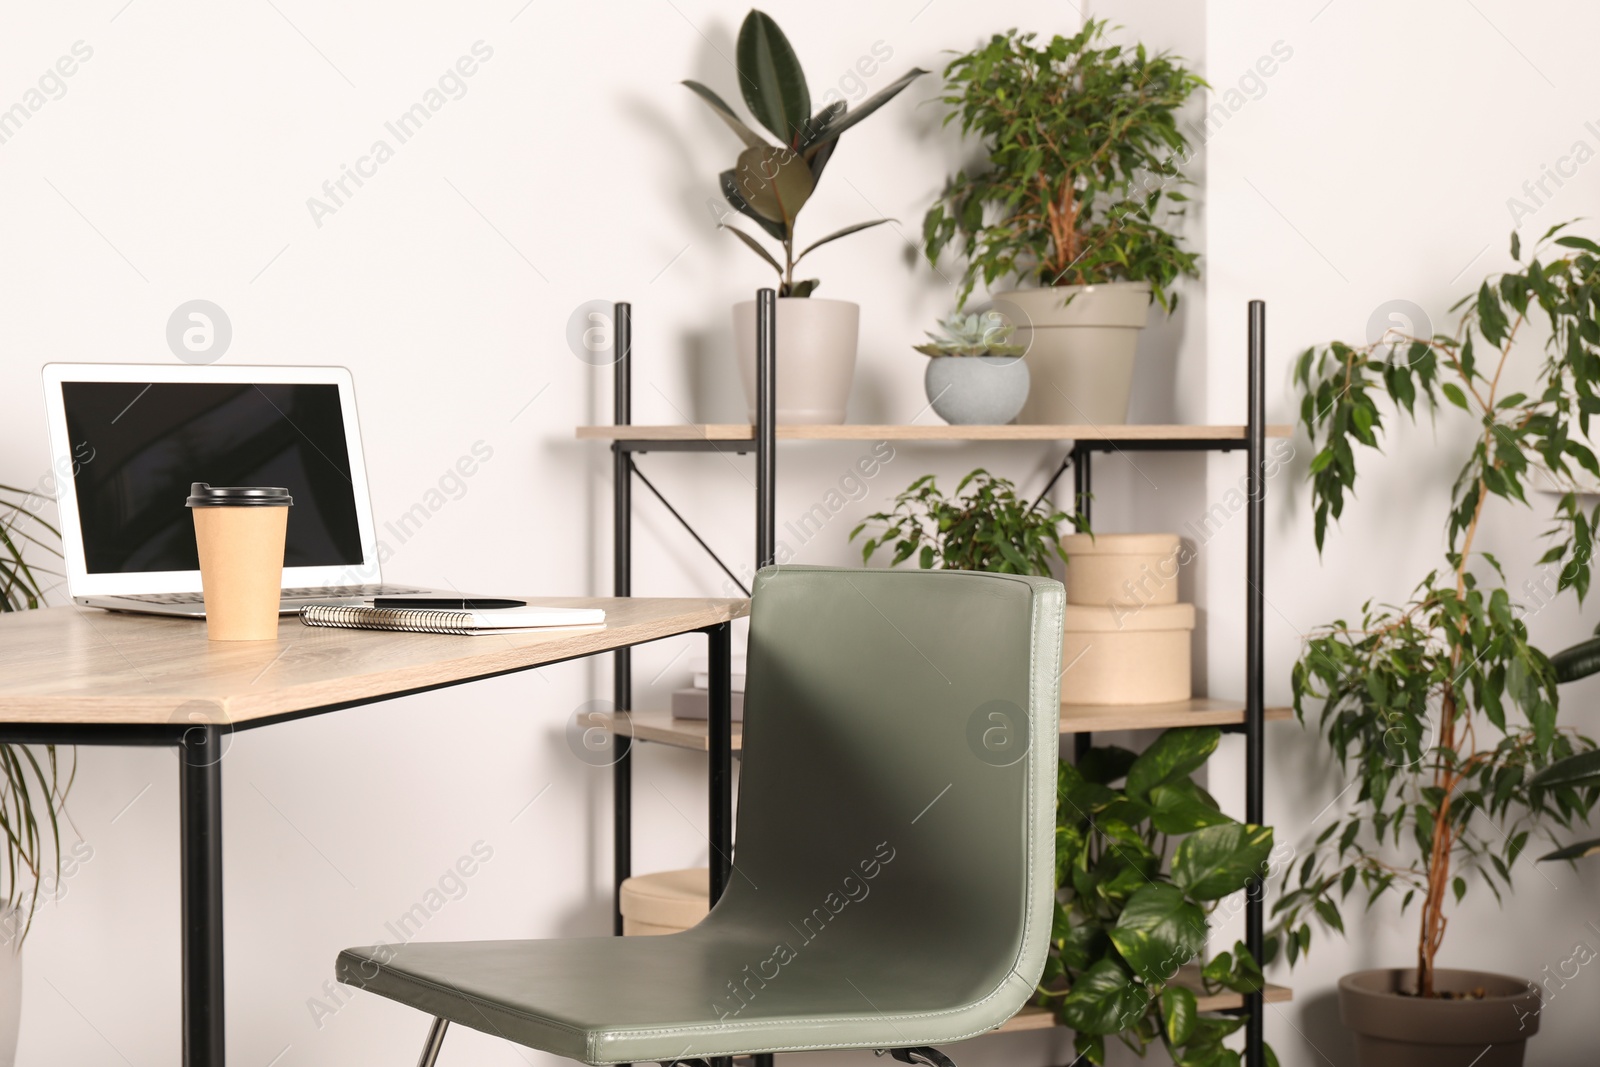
898, 778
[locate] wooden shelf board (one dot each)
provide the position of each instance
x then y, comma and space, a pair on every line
1196, 711
1034, 1017
662, 728
742, 432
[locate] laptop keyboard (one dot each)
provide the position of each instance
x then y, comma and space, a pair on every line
317, 592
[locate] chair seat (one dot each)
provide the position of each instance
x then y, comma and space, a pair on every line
693, 994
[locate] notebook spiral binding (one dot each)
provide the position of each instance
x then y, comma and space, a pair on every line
411, 620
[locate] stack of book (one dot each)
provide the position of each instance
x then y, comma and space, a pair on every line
695, 703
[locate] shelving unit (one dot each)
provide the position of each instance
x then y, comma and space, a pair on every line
720, 738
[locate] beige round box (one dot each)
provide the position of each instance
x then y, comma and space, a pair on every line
665, 902
1126, 654
1122, 568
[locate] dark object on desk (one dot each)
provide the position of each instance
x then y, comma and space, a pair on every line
864, 708
444, 603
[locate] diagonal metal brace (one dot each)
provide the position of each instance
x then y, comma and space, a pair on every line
637, 473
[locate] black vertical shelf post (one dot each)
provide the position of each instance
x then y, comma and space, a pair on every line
766, 428
1082, 491
621, 585
1255, 664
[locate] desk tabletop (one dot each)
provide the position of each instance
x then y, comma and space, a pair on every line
74, 665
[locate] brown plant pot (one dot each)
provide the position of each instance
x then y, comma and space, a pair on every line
1395, 1030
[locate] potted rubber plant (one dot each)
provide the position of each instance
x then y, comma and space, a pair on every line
768, 184
1439, 709
1083, 177
1144, 856
976, 375
33, 781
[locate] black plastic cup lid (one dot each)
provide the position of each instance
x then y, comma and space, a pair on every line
202, 495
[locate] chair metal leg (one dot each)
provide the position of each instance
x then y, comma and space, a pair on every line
430, 1051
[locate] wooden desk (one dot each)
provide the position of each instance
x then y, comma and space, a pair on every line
75, 675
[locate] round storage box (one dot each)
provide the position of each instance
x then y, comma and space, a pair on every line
1121, 569
665, 902
1126, 654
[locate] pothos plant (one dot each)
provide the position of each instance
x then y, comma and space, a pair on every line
1141, 867
1085, 163
1440, 706
33, 782
770, 183
984, 527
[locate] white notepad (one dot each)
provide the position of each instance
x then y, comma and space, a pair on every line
444, 621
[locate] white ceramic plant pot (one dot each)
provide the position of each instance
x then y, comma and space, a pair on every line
1122, 568
976, 390
1126, 654
816, 356
1081, 342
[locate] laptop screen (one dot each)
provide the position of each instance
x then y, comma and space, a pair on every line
150, 440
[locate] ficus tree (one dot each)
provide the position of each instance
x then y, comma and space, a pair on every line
1084, 163
1440, 709
771, 182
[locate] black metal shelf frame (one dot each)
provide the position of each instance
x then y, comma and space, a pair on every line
763, 444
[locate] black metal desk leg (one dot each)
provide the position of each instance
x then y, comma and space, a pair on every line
200, 855
720, 743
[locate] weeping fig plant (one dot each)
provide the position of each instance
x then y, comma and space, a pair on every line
769, 183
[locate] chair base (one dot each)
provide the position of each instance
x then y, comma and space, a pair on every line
922, 1055
430, 1050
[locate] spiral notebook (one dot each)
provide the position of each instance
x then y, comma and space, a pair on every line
441, 621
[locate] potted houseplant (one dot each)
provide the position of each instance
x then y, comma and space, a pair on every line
1439, 708
1084, 162
33, 784
769, 184
1143, 853
976, 375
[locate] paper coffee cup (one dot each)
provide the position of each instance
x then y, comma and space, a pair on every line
239, 532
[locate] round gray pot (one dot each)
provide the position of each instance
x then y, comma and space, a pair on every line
976, 390
1394, 1030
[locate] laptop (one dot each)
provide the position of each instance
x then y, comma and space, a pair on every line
126, 440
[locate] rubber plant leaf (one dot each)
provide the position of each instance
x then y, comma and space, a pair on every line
770, 77
868, 106
836, 234
774, 181
754, 245
751, 138
730, 190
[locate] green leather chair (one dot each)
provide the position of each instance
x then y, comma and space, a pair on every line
894, 865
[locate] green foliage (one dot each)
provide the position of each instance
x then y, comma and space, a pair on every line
769, 184
987, 529
1084, 160
1127, 919
33, 785
1442, 706
987, 334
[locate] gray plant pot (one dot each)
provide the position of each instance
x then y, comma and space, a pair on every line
1081, 341
976, 390
1394, 1030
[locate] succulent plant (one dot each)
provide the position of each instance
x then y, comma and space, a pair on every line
985, 334
770, 183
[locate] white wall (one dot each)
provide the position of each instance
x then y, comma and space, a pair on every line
177, 165
1375, 165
